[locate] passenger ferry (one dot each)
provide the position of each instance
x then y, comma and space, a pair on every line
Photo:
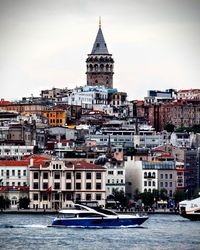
190, 209
84, 216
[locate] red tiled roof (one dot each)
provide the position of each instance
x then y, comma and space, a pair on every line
14, 163
86, 165
5, 102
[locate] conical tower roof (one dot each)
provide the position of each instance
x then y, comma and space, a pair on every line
99, 47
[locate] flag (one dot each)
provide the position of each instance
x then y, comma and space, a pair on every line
49, 189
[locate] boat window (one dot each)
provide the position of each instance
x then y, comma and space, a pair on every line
90, 215
67, 215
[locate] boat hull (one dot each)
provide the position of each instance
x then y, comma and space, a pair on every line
192, 216
99, 222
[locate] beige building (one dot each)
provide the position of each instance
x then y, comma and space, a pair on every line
58, 184
14, 180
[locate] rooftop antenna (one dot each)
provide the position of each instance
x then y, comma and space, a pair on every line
99, 22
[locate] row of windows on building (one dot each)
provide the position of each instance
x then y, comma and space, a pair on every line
153, 175
162, 184
117, 181
68, 186
57, 175
13, 183
67, 196
13, 172
118, 172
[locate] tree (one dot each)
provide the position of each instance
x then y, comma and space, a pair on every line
163, 194
156, 194
4, 202
179, 195
120, 196
147, 198
24, 202
169, 127
137, 195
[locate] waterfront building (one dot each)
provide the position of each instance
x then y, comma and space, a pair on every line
59, 183
159, 175
14, 179
100, 63
115, 177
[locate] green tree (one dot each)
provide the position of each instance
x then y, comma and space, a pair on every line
156, 194
169, 127
4, 202
120, 196
179, 195
24, 202
137, 195
147, 198
163, 194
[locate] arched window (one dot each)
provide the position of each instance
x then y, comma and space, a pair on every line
145, 174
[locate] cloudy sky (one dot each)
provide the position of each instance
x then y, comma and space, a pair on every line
44, 44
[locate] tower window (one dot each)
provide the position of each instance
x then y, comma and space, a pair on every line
97, 45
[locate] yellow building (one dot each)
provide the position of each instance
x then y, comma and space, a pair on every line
55, 117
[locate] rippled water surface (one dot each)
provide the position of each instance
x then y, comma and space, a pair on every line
158, 232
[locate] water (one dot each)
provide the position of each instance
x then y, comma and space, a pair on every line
158, 232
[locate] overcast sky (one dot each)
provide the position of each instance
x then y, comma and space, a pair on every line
44, 44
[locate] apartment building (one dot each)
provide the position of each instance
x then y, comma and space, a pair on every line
59, 183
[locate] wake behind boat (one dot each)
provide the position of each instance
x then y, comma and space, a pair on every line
84, 216
190, 209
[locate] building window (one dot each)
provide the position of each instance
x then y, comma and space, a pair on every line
170, 176
56, 185
98, 176
161, 184
88, 176
35, 175
98, 197
88, 197
68, 185
145, 174
13, 172
35, 185
120, 172
161, 176
78, 176
19, 173
7, 173
45, 175
45, 197
57, 175
166, 176
153, 183
88, 185
24, 173
45, 185
170, 184
149, 183
78, 185
98, 186
68, 175
110, 172
68, 196
166, 184
78, 197
35, 197
145, 183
